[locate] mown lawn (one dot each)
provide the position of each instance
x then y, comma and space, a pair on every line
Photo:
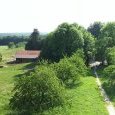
84, 100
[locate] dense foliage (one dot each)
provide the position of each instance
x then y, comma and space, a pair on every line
70, 69
109, 73
44, 87
34, 42
95, 29
5, 40
110, 56
77, 59
106, 40
67, 73
63, 41
11, 45
66, 40
89, 44
38, 91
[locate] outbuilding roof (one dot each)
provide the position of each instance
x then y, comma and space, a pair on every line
29, 54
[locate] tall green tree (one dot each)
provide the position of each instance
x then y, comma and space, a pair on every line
89, 43
65, 40
11, 45
106, 40
110, 55
95, 29
34, 42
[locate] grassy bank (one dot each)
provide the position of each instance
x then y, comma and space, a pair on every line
104, 80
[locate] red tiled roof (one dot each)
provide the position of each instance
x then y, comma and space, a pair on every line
31, 54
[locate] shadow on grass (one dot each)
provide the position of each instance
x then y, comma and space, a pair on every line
24, 112
29, 66
74, 86
110, 90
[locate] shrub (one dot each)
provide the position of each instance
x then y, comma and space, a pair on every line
20, 44
77, 60
110, 55
66, 72
11, 45
38, 91
108, 70
109, 73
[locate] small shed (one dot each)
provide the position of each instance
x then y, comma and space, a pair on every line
27, 55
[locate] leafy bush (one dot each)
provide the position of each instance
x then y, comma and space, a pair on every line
110, 55
0, 57
77, 60
108, 70
109, 73
38, 91
11, 45
20, 44
65, 40
66, 72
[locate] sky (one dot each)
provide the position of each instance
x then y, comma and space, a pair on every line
46, 15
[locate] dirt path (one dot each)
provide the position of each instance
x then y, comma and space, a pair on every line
110, 106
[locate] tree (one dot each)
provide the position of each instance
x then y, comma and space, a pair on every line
34, 42
106, 40
110, 55
65, 40
11, 45
109, 73
77, 59
89, 47
95, 29
20, 44
39, 90
66, 72
89, 43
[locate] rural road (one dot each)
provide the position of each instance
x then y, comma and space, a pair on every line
110, 106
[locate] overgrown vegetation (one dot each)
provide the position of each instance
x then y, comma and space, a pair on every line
66, 40
38, 91
42, 89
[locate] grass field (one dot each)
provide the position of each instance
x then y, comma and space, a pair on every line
83, 100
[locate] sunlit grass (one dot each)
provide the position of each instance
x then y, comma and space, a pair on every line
8, 54
84, 100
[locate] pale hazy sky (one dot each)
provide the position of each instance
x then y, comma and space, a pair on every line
24, 15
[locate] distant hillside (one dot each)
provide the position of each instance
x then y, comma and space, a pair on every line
18, 34
14, 34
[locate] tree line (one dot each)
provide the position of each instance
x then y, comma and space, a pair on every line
67, 38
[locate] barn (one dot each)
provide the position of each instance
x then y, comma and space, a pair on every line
27, 55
